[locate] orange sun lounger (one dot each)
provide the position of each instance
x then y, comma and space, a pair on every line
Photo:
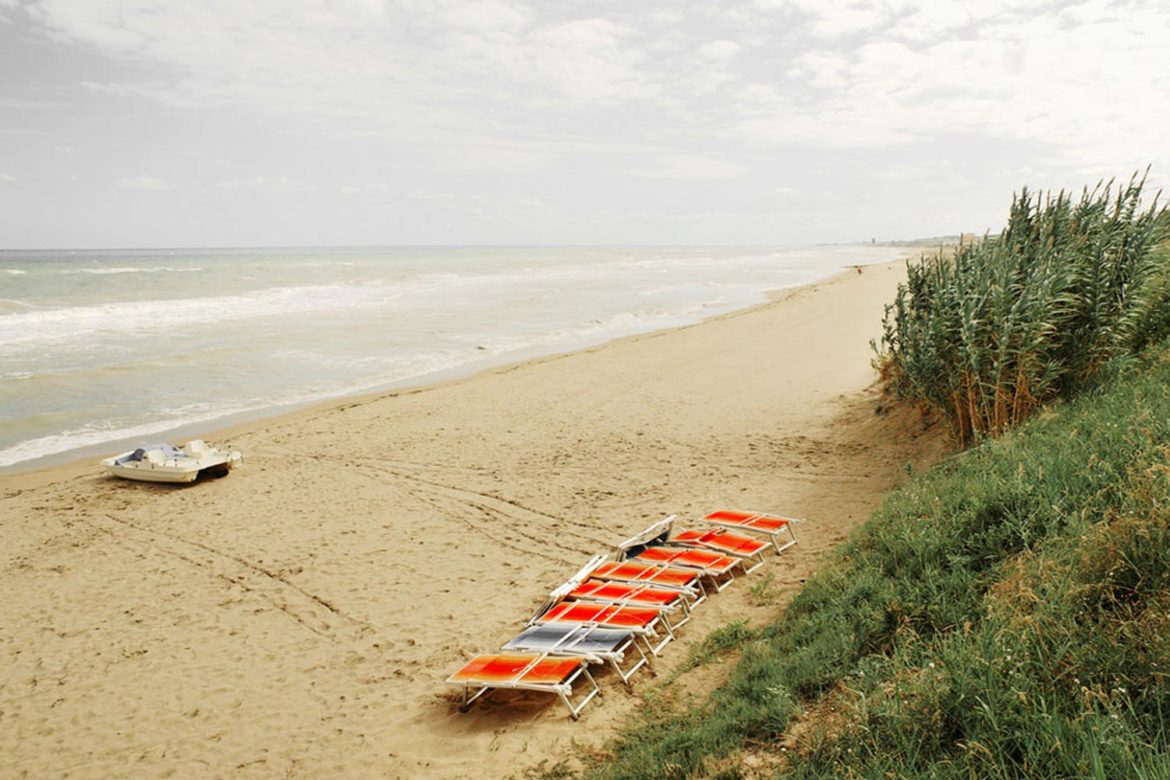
612, 645
720, 568
524, 671
629, 594
688, 581
771, 525
643, 621
723, 541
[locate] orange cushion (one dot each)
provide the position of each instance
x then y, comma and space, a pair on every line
608, 614
723, 540
640, 572
507, 667
618, 591
761, 522
689, 557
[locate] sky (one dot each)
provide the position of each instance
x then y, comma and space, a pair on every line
144, 123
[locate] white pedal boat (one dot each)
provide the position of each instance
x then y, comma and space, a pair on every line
165, 463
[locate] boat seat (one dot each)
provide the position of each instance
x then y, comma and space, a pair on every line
196, 448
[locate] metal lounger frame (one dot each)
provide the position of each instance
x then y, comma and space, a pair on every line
695, 595
683, 603
713, 575
647, 632
699, 594
773, 536
613, 657
757, 556
563, 689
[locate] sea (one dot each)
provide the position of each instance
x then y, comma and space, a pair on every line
110, 349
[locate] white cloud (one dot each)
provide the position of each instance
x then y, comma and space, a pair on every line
431, 196
269, 184
719, 50
147, 183
8, 177
669, 165
444, 95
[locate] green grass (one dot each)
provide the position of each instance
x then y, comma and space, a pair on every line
1005, 615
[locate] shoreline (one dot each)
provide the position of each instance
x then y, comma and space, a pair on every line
300, 615
226, 427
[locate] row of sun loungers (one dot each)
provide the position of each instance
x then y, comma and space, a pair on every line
623, 612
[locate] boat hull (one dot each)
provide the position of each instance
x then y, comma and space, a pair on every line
174, 470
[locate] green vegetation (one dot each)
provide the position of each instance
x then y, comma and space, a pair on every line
986, 335
1007, 614
715, 644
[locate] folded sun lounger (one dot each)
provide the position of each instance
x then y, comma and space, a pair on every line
720, 540
770, 525
524, 671
605, 644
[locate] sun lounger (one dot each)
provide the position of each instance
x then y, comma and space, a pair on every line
606, 644
689, 581
647, 546
633, 594
719, 568
630, 594
643, 621
720, 540
600, 567
770, 525
524, 671
583, 586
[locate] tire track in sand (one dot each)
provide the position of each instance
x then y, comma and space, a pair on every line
469, 506
312, 611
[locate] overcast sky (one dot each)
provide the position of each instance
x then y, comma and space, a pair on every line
136, 123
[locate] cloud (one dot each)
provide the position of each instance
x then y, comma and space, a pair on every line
269, 184
669, 165
146, 183
492, 86
8, 177
719, 50
432, 196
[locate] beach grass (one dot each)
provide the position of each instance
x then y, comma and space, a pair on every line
1002, 615
988, 333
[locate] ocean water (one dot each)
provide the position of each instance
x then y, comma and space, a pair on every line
109, 347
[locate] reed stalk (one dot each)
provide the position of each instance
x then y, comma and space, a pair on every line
985, 335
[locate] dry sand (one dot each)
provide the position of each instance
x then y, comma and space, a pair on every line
298, 617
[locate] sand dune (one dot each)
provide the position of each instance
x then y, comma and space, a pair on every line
298, 617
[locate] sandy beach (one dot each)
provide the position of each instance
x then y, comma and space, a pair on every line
298, 618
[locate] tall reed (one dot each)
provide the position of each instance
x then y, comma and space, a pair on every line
987, 334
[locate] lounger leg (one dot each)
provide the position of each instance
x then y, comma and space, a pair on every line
686, 613
758, 557
776, 539
626, 674
702, 593
792, 534
654, 649
719, 586
575, 712
469, 700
